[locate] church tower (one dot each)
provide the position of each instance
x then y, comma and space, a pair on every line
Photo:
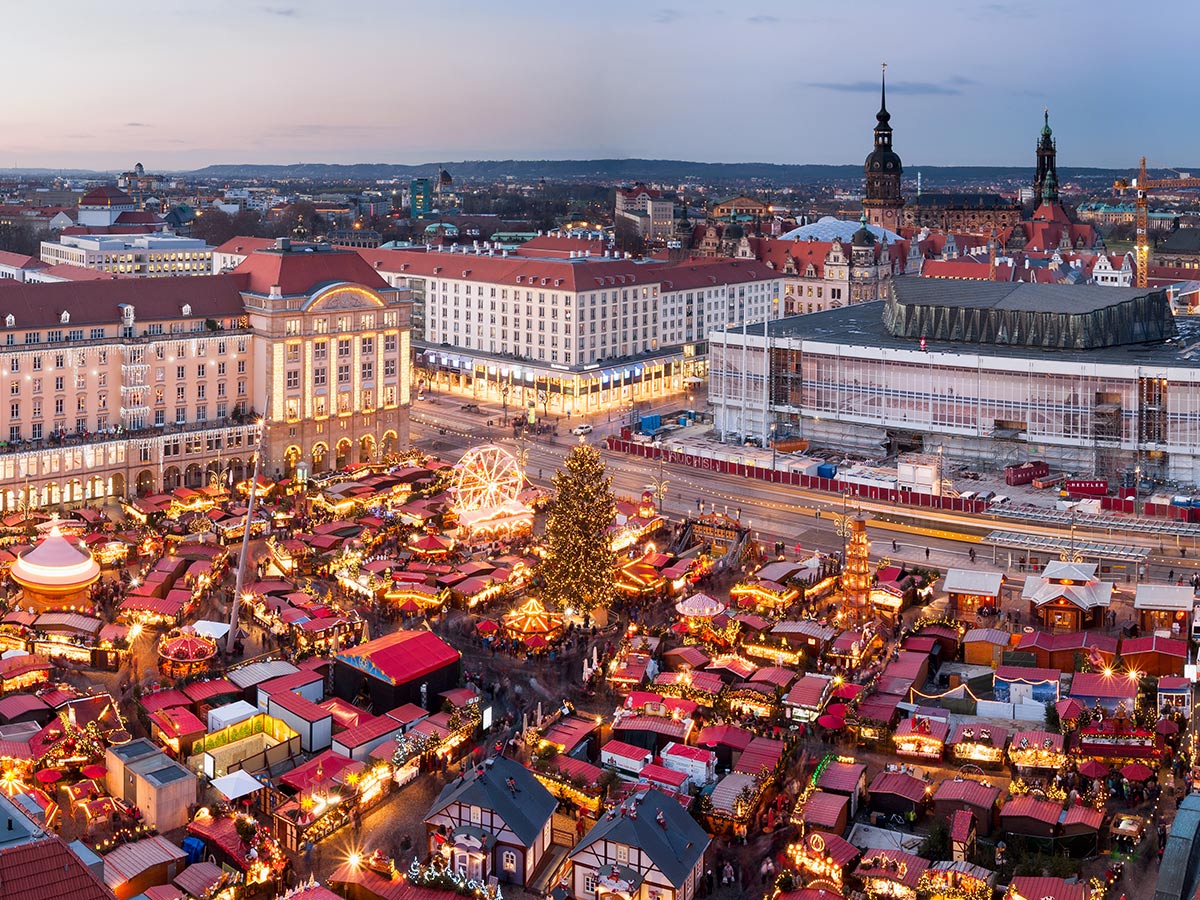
1045, 182
883, 203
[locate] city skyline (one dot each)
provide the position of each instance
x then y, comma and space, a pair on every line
274, 83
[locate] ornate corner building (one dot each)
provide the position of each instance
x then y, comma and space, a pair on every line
134, 386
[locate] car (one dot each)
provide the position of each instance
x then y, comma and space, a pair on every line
470, 407
582, 429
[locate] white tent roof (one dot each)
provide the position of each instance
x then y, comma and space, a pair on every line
969, 581
1168, 597
208, 629
236, 784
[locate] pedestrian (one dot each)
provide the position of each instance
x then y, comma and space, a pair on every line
927, 553
709, 880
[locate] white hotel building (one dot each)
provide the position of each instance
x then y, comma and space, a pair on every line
568, 331
1092, 379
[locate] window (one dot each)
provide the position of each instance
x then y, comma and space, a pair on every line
368, 346
97, 334
36, 431
293, 379
589, 884
476, 815
241, 367
321, 350
389, 368
319, 376
181, 392
200, 370
60, 383
292, 326
622, 854
14, 410
59, 406
368, 371
343, 374
509, 861
389, 343
293, 352
180, 373
343, 348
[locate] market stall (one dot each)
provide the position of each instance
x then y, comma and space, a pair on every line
921, 737
981, 744
1030, 750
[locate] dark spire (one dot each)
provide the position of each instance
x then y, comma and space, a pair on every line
1046, 132
883, 117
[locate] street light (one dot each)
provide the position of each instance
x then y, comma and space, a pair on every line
774, 426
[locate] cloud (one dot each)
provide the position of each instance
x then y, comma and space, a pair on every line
763, 20
913, 88
136, 125
283, 12
667, 16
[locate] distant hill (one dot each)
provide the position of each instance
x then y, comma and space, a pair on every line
622, 170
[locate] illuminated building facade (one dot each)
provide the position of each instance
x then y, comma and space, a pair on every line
134, 386
575, 334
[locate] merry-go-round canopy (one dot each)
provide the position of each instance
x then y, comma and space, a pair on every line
700, 606
55, 571
531, 617
432, 544
186, 646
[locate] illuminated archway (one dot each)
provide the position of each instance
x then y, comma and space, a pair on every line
366, 448
343, 453
194, 476
390, 443
172, 478
320, 457
291, 458
145, 482
116, 485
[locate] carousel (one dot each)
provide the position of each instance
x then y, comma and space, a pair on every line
55, 574
532, 624
487, 490
183, 652
699, 608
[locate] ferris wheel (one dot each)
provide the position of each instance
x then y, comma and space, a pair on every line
488, 477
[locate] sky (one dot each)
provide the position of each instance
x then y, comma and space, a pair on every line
177, 85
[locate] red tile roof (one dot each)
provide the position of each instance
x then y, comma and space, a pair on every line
199, 691
1097, 684
842, 778
368, 731
625, 751
994, 735
960, 824
299, 272
153, 299
588, 274
1153, 644
106, 195
900, 784
46, 869
20, 260
824, 810
973, 793
298, 706
1026, 887
401, 657
1029, 807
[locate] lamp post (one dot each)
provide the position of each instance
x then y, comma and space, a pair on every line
774, 426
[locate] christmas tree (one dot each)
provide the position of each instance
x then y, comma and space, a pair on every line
580, 562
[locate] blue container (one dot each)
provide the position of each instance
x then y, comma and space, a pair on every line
651, 423
827, 470
683, 420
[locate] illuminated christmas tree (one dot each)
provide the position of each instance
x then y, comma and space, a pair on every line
856, 575
580, 563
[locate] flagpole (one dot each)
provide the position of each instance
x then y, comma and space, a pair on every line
235, 609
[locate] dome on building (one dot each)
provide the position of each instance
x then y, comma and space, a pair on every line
55, 573
827, 228
864, 237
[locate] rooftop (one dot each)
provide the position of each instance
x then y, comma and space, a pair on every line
861, 325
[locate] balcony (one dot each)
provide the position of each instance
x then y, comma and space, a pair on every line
121, 433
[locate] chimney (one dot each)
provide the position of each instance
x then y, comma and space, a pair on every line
276, 292
283, 244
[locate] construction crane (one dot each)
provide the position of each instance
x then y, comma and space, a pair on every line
1144, 184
